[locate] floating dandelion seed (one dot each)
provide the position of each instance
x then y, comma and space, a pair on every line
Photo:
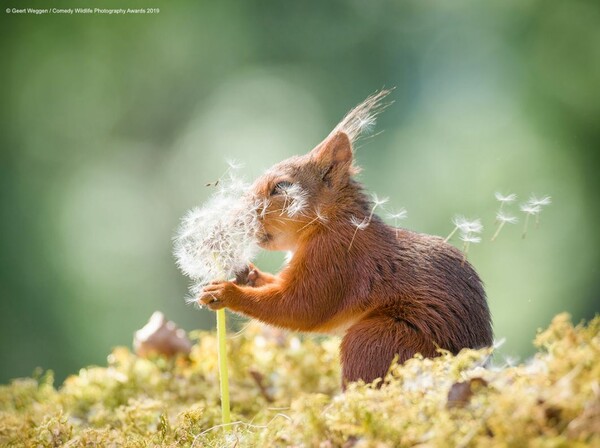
465, 226
468, 239
505, 199
364, 223
458, 222
377, 201
398, 216
540, 202
233, 165
360, 224
319, 216
503, 218
546, 200
529, 210
474, 226
401, 214
534, 207
469, 231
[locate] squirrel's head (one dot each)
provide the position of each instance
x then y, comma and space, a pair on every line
302, 192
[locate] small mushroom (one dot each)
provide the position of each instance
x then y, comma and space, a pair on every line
461, 392
161, 337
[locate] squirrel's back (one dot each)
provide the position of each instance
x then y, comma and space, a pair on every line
414, 277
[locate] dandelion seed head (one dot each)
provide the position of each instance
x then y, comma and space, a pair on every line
217, 240
360, 224
505, 199
505, 217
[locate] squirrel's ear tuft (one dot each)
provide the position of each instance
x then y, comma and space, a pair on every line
334, 156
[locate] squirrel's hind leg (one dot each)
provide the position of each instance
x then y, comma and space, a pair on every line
370, 345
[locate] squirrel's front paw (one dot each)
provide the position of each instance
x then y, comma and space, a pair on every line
216, 295
250, 276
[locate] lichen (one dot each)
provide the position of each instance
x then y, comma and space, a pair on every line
285, 392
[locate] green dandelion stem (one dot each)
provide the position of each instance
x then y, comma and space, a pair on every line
222, 354
223, 370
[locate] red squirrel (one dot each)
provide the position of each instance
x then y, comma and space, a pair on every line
389, 292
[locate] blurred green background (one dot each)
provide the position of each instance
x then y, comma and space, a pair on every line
112, 125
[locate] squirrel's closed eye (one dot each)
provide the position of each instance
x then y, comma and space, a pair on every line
280, 187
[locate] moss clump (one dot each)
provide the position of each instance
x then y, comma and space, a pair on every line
285, 392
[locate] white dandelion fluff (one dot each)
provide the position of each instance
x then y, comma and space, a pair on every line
543, 201
320, 215
399, 215
473, 226
503, 218
534, 207
469, 231
465, 226
377, 201
505, 199
234, 164
360, 224
217, 240
530, 209
469, 238
296, 200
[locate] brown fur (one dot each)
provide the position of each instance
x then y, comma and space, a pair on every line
392, 291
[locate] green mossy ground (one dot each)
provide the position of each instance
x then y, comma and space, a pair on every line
285, 392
